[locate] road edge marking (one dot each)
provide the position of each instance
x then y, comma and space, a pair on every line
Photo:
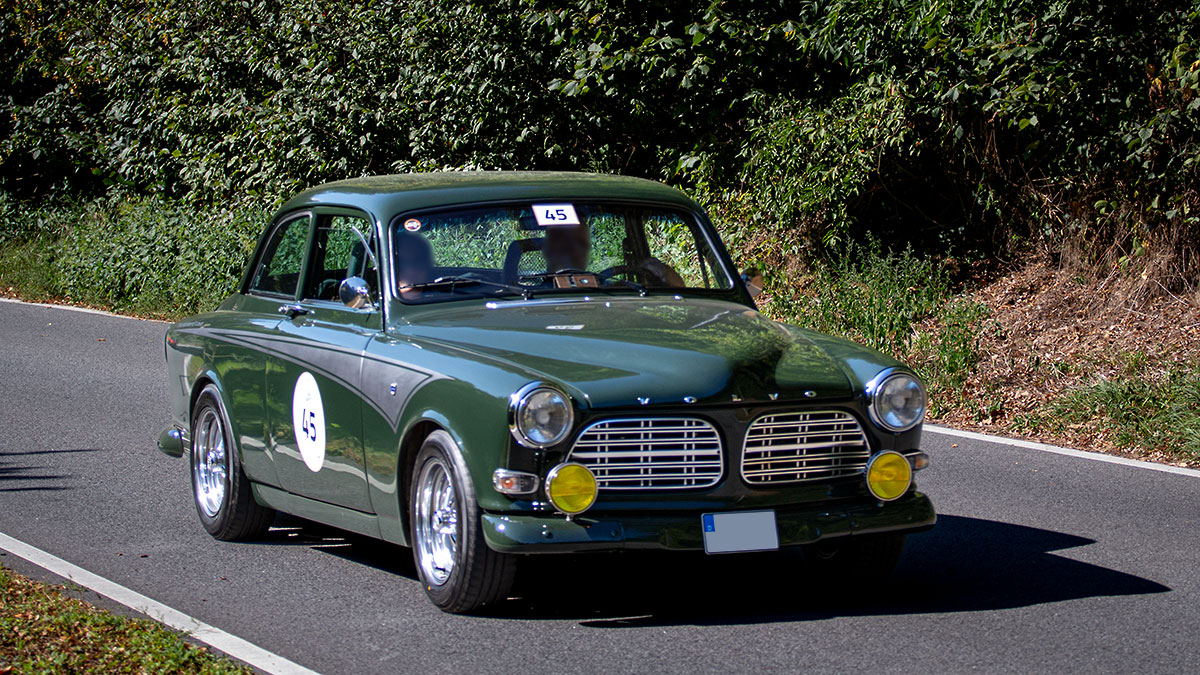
228, 643
73, 308
1058, 450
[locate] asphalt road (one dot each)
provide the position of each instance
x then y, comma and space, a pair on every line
1040, 562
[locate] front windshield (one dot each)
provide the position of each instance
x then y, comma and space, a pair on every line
546, 248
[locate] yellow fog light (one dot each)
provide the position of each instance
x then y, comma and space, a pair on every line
571, 488
888, 475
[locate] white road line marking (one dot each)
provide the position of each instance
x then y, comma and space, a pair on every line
215, 637
85, 310
1031, 445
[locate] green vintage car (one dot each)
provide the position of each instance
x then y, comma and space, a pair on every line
486, 365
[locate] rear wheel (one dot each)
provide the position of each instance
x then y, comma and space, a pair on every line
856, 556
219, 487
460, 573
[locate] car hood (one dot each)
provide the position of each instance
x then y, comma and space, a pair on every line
627, 351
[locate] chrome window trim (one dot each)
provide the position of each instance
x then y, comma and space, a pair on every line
708, 234
261, 252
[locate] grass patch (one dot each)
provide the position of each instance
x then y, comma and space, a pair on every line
44, 631
26, 269
1142, 407
28, 245
872, 297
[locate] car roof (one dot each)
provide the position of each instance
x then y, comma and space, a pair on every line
385, 196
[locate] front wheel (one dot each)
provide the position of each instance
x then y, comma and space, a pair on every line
460, 573
219, 487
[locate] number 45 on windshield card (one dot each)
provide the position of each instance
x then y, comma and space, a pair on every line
549, 215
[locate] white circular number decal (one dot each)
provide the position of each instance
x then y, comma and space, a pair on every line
308, 419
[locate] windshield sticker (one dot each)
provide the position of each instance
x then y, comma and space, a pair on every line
412, 225
550, 215
308, 421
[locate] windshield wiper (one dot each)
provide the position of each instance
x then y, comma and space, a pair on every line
454, 281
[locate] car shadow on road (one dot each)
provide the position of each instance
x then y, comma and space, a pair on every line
962, 565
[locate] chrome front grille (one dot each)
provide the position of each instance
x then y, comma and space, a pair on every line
802, 446
651, 453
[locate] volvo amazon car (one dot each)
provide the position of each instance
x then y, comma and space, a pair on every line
487, 365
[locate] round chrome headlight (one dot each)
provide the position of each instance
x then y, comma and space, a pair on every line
540, 416
897, 401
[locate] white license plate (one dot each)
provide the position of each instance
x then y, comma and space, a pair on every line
741, 531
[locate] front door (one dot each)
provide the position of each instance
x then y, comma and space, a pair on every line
314, 380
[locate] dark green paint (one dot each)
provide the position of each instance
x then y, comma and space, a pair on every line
454, 365
620, 348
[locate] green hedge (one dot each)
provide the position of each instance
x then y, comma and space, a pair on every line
150, 256
959, 124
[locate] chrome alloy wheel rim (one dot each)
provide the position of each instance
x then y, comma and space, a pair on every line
436, 522
209, 466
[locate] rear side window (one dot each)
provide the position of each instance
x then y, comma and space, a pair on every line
278, 272
340, 252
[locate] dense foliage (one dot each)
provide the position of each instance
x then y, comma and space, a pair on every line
957, 123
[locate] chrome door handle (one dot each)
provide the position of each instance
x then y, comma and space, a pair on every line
294, 311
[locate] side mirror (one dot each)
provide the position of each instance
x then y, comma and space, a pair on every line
753, 280
354, 292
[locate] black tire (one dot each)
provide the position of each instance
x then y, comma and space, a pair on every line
478, 576
234, 515
856, 556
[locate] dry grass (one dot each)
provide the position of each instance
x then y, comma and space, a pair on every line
1053, 333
